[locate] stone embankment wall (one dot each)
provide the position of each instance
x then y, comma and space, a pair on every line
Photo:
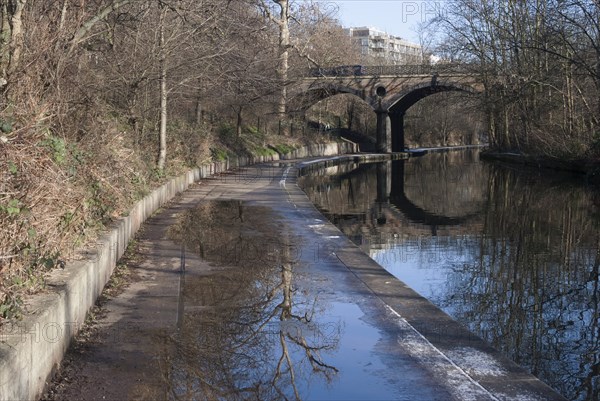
31, 348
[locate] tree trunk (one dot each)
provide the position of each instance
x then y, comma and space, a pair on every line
16, 46
162, 153
351, 111
238, 128
4, 39
284, 45
11, 40
199, 111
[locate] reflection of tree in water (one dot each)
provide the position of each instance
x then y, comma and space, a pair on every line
524, 274
247, 333
532, 290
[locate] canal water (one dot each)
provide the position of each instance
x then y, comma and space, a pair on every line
512, 254
257, 320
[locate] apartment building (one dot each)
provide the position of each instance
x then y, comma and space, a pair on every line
390, 49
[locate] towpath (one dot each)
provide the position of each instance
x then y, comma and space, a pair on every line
242, 290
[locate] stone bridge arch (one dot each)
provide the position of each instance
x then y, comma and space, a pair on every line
390, 131
388, 95
302, 101
400, 102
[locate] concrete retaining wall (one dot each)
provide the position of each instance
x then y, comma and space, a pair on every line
311, 166
31, 348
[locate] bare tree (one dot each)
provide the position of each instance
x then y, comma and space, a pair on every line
280, 16
248, 76
11, 39
538, 64
177, 42
319, 40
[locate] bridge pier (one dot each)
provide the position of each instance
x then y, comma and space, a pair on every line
384, 144
397, 128
390, 131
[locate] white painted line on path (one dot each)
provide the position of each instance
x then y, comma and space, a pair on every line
456, 379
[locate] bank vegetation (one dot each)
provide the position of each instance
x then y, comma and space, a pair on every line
539, 63
101, 100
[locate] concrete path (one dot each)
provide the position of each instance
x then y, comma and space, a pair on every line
244, 291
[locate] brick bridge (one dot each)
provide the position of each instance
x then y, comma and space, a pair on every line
389, 90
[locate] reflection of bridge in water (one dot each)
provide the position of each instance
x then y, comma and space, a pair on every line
393, 172
502, 273
375, 198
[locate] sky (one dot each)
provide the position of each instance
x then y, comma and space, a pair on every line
396, 17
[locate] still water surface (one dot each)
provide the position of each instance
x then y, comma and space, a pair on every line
261, 318
513, 255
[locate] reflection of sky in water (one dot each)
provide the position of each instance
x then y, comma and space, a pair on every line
546, 319
425, 265
360, 375
521, 269
259, 326
562, 340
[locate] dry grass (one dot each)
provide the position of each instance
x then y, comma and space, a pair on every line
58, 192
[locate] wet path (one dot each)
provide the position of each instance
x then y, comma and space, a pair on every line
244, 291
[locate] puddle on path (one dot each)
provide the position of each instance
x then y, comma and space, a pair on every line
252, 326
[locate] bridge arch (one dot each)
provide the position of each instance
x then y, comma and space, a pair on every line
397, 105
389, 91
397, 100
402, 101
304, 100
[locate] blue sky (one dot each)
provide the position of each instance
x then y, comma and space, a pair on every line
396, 17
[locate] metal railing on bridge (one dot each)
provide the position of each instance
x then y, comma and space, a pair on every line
393, 70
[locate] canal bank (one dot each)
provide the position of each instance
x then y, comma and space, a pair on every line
245, 290
586, 167
33, 346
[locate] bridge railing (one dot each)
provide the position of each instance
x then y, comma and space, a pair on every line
398, 70
369, 70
